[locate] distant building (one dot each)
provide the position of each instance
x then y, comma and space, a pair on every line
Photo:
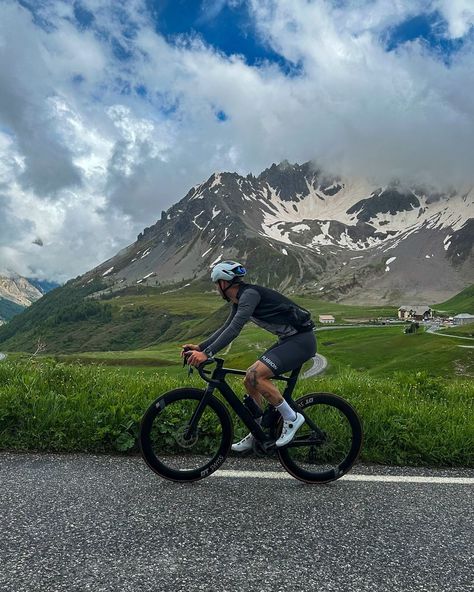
415, 312
463, 319
326, 319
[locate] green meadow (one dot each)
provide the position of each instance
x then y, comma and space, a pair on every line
377, 351
460, 331
414, 393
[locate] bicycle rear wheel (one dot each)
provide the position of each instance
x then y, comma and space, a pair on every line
327, 444
169, 448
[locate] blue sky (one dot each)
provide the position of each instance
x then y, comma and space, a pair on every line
111, 111
429, 28
230, 28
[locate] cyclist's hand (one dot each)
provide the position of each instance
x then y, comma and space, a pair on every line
188, 347
196, 358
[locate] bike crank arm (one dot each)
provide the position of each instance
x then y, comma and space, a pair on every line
304, 441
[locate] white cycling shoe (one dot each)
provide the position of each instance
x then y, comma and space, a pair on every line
289, 430
244, 445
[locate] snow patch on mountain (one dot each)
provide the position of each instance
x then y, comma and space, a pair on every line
217, 180
300, 227
197, 216
387, 263
216, 261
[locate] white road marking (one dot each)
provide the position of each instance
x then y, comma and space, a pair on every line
352, 477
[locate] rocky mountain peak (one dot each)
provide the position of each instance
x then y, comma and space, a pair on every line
300, 228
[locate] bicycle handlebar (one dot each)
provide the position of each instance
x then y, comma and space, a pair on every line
202, 373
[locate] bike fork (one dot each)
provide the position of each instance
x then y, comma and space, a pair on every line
192, 426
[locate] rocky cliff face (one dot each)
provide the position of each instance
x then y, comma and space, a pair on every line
299, 229
19, 290
16, 293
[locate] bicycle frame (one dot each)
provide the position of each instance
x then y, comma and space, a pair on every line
217, 381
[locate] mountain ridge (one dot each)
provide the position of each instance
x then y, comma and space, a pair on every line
302, 230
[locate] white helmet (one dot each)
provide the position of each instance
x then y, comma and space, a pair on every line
227, 270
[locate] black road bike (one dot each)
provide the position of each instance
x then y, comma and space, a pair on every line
186, 434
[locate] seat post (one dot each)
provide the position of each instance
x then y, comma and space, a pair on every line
291, 382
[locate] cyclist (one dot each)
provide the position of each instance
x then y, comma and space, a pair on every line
276, 313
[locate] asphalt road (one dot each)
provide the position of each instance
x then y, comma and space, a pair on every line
319, 365
103, 523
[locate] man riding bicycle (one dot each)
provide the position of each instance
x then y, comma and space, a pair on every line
276, 313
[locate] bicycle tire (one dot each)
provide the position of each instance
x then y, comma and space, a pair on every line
329, 404
155, 452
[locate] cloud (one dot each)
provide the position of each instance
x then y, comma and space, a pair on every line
210, 9
25, 107
459, 15
104, 122
371, 111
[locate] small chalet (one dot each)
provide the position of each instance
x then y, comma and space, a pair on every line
326, 319
463, 319
415, 312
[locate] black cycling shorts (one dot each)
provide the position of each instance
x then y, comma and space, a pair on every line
290, 353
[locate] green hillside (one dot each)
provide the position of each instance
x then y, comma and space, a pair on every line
144, 326
460, 331
9, 309
462, 302
378, 351
69, 320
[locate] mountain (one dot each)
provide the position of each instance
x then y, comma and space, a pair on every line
295, 227
19, 290
17, 293
299, 229
44, 286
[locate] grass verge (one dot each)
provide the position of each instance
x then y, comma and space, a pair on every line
409, 419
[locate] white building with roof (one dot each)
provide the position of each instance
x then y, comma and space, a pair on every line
415, 312
325, 319
463, 319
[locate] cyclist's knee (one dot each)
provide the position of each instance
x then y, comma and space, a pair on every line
251, 378
255, 374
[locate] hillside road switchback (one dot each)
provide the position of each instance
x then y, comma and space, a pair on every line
88, 522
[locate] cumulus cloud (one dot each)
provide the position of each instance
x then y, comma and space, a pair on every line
104, 122
25, 108
459, 15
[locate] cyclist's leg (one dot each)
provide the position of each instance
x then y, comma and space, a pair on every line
257, 381
281, 357
288, 354
251, 379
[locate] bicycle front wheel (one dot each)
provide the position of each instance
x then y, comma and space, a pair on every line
176, 451
327, 444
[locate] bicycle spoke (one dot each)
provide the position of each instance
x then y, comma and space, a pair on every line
327, 445
178, 444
